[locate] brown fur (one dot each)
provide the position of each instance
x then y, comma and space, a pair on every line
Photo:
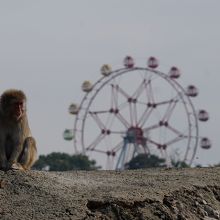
17, 147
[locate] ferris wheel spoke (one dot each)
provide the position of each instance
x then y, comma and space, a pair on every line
153, 142
97, 120
149, 91
110, 121
118, 132
144, 117
97, 140
175, 130
151, 127
98, 112
121, 91
118, 146
114, 97
170, 110
122, 120
139, 90
133, 113
99, 151
177, 139
130, 112
164, 102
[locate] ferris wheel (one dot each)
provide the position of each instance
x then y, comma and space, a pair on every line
137, 110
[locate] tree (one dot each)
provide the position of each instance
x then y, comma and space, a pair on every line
62, 162
179, 164
145, 161
176, 162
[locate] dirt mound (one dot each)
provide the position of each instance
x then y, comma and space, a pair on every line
144, 194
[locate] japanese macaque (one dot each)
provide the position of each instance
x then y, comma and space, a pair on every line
17, 146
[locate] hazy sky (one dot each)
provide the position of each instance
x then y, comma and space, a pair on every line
49, 47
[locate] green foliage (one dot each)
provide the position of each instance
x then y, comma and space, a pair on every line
145, 161
142, 161
62, 162
179, 164
217, 165
176, 162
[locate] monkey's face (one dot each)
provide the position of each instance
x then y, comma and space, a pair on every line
16, 109
13, 104
19, 109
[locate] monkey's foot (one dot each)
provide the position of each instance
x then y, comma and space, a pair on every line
17, 166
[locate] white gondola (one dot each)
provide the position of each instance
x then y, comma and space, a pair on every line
174, 72
87, 86
68, 134
106, 70
203, 115
128, 62
205, 143
152, 63
192, 91
73, 109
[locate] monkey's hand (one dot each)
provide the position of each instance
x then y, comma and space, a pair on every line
3, 165
16, 166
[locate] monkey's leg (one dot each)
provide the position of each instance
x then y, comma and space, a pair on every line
29, 153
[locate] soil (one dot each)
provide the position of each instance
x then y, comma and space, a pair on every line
181, 194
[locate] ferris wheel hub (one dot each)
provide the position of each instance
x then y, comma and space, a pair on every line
135, 135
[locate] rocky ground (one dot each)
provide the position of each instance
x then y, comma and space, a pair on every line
192, 193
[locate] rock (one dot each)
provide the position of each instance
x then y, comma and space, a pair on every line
196, 203
204, 202
2, 184
216, 214
128, 194
208, 218
211, 212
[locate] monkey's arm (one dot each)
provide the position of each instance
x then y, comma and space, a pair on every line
3, 159
17, 149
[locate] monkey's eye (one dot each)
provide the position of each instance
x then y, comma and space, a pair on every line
18, 103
